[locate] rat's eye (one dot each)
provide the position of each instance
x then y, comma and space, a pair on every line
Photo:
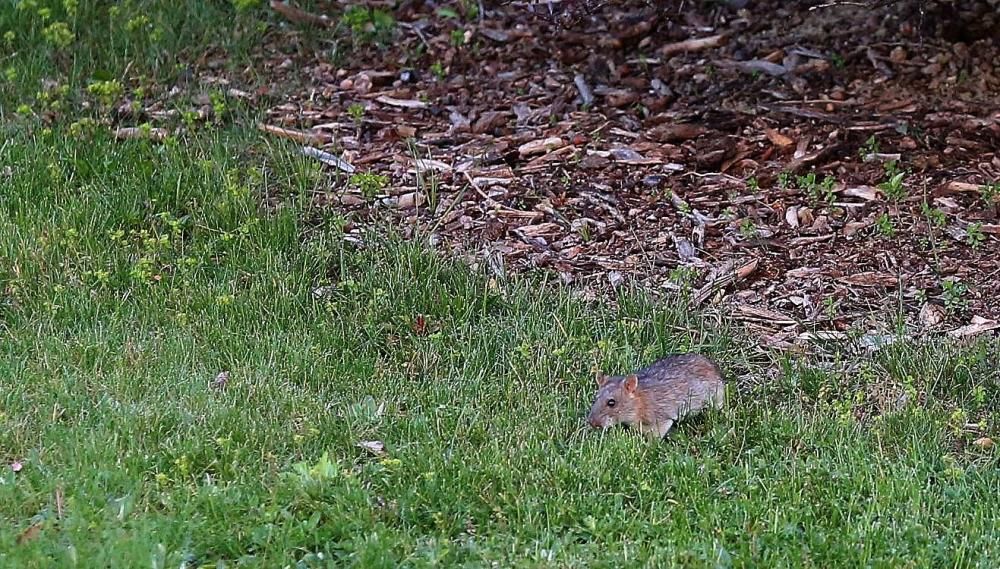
611, 402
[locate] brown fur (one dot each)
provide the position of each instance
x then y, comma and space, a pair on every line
656, 397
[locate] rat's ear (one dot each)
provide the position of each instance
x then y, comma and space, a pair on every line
631, 382
602, 379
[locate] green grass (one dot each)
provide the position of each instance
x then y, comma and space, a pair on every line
132, 273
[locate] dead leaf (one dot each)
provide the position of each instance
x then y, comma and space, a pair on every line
977, 326
792, 216
777, 138
931, 315
963, 187
220, 381
375, 447
539, 230
300, 16
866, 193
674, 132
983, 443
403, 103
803, 272
419, 325
823, 335
428, 164
410, 200
852, 227
540, 146
33, 532
693, 44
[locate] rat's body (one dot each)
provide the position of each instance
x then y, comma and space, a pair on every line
657, 396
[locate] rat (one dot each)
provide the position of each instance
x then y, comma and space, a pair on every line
654, 398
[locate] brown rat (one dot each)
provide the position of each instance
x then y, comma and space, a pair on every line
655, 397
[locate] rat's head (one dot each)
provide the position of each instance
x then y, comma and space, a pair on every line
616, 401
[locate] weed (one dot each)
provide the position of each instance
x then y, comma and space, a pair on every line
748, 229
106, 92
870, 147
58, 35
357, 112
893, 186
437, 68
368, 25
990, 193
827, 185
953, 293
752, 184
806, 182
371, 185
245, 6
935, 216
784, 180
219, 107
974, 235
885, 226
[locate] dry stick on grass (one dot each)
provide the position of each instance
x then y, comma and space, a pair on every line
299, 136
300, 16
138, 133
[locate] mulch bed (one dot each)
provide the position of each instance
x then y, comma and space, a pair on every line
808, 168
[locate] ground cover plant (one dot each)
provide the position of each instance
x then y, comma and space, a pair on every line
203, 363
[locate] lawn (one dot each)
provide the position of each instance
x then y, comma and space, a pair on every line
133, 272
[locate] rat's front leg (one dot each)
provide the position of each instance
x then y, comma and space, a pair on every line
657, 431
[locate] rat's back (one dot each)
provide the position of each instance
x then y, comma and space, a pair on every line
682, 383
682, 367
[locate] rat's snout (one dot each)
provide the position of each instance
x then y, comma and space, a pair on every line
594, 421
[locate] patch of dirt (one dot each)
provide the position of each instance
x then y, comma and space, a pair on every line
808, 168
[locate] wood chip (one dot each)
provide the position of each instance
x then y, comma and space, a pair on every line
328, 159
403, 103
674, 132
693, 44
866, 193
777, 138
963, 187
540, 146
763, 314
300, 16
722, 281
299, 136
870, 279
